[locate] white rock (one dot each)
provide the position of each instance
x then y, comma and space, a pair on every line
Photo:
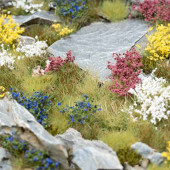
89, 155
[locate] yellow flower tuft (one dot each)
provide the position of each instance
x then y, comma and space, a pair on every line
138, 46
2, 91
9, 30
167, 155
62, 31
158, 47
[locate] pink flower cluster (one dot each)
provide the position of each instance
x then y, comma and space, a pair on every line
54, 63
125, 73
154, 10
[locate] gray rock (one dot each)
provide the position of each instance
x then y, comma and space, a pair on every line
94, 45
52, 5
128, 167
14, 117
5, 3
38, 17
145, 163
137, 167
4, 160
147, 152
89, 155
26, 40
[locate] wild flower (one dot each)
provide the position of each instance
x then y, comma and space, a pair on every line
6, 59
125, 73
2, 91
27, 5
41, 159
31, 50
154, 10
9, 30
15, 146
151, 99
158, 47
37, 104
81, 112
71, 8
167, 155
37, 158
62, 31
54, 63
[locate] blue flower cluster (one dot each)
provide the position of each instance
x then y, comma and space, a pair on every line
37, 104
72, 8
81, 111
39, 159
14, 146
42, 159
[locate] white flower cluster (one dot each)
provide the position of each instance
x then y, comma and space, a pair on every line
152, 97
36, 49
6, 59
28, 5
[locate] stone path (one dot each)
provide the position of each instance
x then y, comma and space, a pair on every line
93, 45
42, 16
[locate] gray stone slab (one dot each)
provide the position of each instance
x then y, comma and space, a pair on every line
148, 153
89, 155
41, 16
94, 45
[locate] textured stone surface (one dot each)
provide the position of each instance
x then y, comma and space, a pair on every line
89, 155
26, 40
5, 3
147, 152
93, 45
15, 117
4, 160
38, 17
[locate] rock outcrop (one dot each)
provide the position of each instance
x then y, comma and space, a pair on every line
14, 117
89, 155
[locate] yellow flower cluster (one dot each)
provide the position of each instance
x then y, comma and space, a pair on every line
2, 91
158, 47
9, 30
62, 31
167, 155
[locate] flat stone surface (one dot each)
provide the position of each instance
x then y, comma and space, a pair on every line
94, 45
32, 19
5, 3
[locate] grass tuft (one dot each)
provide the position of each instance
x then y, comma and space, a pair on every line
115, 10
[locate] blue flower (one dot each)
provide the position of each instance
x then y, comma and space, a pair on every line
15, 147
88, 105
72, 118
56, 164
59, 104
35, 159
99, 109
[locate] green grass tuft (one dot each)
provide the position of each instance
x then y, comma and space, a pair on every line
115, 10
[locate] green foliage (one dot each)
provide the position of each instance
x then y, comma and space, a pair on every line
154, 167
13, 145
44, 33
81, 111
118, 140
148, 65
163, 70
146, 133
114, 10
128, 155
